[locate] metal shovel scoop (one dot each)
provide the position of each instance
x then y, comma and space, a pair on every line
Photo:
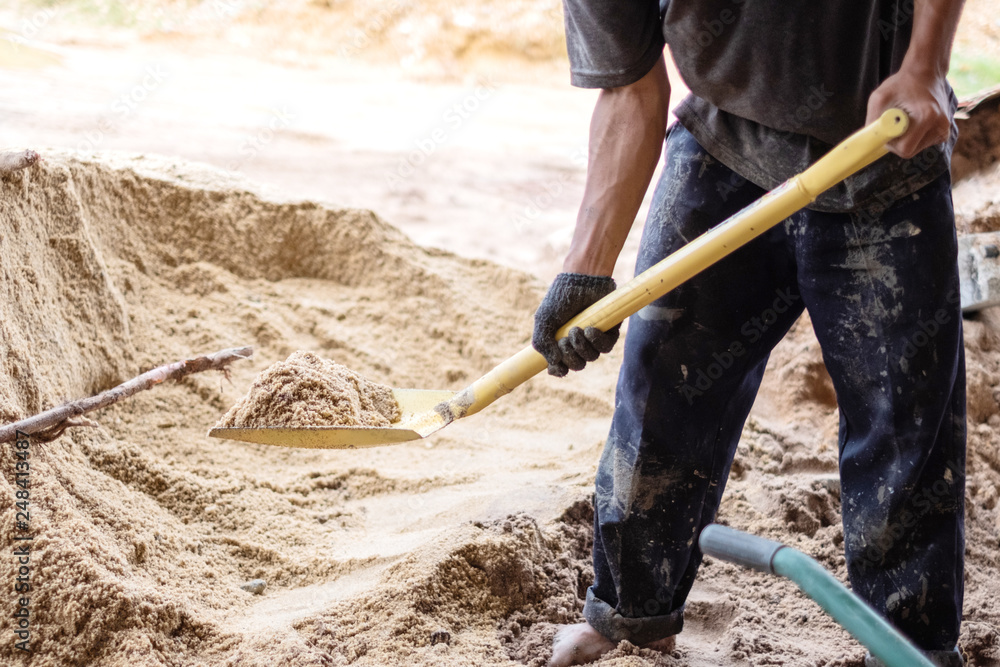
427, 411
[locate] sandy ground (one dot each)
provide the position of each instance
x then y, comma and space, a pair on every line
465, 549
487, 162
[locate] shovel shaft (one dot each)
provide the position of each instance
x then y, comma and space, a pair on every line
851, 155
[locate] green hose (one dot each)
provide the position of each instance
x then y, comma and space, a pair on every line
855, 615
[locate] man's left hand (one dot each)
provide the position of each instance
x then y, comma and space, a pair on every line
925, 99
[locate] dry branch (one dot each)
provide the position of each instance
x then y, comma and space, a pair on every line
50, 424
11, 161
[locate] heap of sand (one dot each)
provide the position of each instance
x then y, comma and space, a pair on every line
305, 390
465, 550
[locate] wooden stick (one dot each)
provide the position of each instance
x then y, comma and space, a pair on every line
11, 161
50, 424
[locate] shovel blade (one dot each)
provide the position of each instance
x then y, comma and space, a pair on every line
418, 419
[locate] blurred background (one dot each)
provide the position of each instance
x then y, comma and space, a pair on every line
453, 120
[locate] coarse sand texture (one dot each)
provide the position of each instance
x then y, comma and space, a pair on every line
305, 390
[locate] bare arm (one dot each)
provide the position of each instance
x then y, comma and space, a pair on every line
919, 87
626, 139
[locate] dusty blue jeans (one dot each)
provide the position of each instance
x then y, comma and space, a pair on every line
882, 291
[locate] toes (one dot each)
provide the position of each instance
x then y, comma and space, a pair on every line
578, 644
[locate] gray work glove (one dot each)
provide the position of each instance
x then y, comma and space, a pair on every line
569, 294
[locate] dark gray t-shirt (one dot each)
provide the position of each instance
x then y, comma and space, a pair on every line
774, 83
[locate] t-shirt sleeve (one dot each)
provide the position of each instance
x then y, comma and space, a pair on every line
612, 43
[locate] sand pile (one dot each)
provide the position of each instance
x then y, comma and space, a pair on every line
466, 549
305, 390
978, 146
977, 206
143, 528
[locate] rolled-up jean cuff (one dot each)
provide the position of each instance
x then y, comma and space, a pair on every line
605, 619
938, 658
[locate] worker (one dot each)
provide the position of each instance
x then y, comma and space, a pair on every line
774, 85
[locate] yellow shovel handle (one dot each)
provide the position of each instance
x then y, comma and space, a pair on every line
852, 154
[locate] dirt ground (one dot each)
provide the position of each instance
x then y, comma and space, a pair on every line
207, 185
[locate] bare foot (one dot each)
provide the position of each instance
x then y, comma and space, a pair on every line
578, 644
16, 160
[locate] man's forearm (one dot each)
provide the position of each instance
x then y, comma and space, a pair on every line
626, 138
934, 26
920, 87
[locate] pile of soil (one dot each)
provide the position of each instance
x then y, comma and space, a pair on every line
143, 528
466, 549
978, 146
305, 390
976, 169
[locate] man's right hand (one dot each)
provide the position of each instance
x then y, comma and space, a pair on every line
569, 294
